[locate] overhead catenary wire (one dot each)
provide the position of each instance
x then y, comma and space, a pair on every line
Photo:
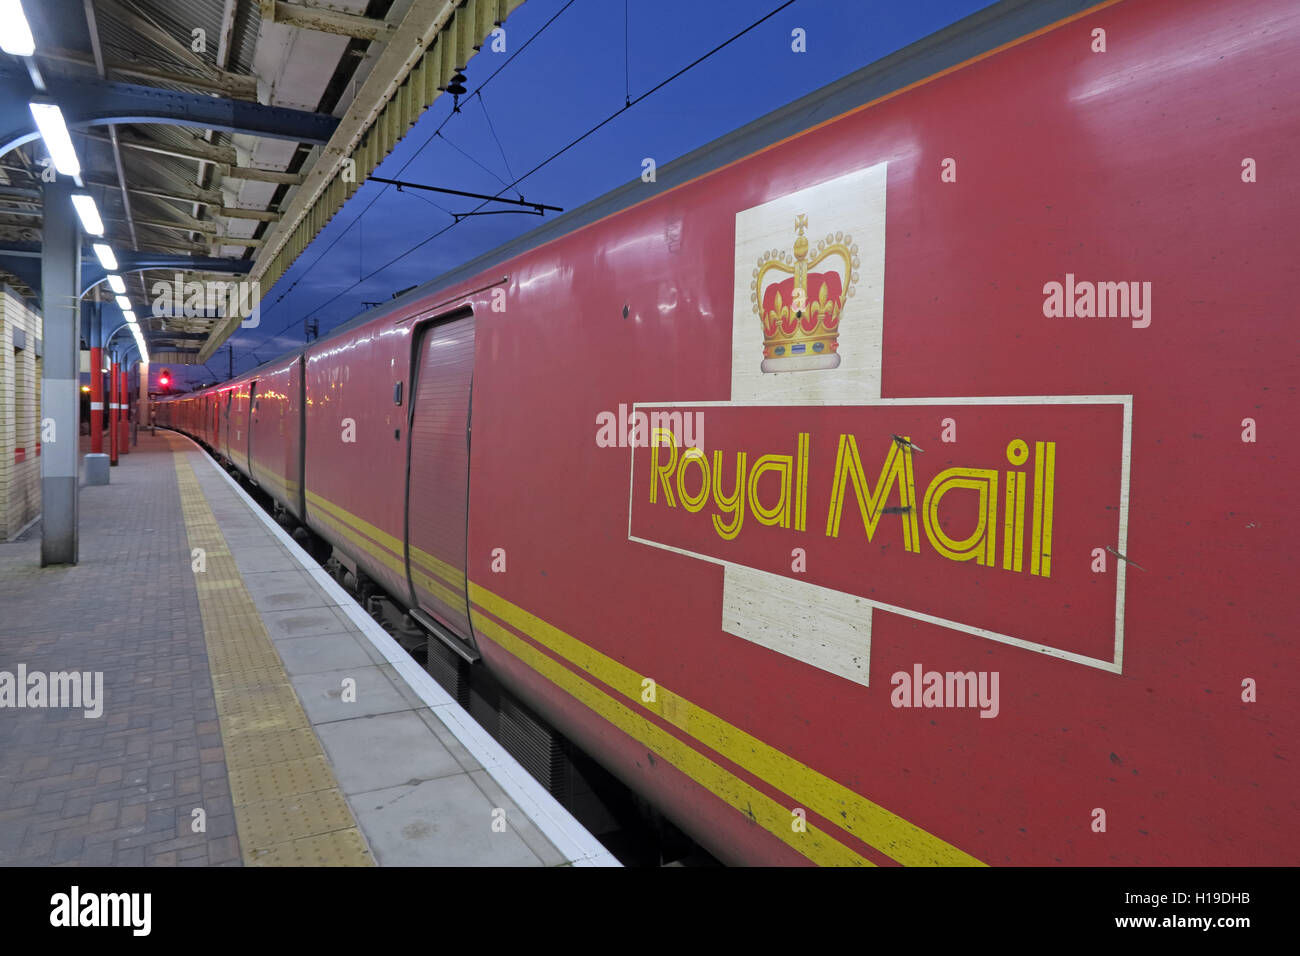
493, 130
478, 92
431, 203
477, 163
562, 150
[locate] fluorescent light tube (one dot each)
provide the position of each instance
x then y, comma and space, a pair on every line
104, 253
15, 33
49, 120
88, 213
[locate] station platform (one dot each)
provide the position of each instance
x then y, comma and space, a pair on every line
250, 712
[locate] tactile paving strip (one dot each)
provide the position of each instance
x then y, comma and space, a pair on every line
265, 748
304, 775
323, 850
299, 816
289, 810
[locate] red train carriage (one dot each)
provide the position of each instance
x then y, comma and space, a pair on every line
962, 536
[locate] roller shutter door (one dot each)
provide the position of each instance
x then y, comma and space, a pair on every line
438, 493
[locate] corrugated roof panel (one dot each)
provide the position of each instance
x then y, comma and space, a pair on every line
181, 17
248, 23
159, 168
121, 40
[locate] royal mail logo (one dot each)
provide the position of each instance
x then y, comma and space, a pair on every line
774, 491
812, 496
808, 308
991, 536
800, 309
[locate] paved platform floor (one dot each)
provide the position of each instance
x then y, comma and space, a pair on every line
250, 711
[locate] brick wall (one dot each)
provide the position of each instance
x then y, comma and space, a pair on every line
20, 414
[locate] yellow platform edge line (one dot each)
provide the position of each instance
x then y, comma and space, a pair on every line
223, 604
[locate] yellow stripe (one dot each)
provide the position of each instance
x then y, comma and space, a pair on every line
383, 537
436, 588
451, 575
279, 482
869, 822
758, 806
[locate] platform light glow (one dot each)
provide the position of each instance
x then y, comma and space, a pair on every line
104, 253
130, 318
88, 213
49, 120
116, 284
139, 341
123, 303
15, 32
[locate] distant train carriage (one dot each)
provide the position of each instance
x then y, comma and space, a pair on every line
876, 487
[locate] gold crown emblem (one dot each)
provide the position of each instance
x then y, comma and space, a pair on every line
800, 307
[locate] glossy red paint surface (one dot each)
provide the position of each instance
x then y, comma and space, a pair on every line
439, 468
352, 459
273, 431
1125, 165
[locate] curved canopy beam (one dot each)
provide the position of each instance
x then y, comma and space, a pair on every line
23, 259
102, 103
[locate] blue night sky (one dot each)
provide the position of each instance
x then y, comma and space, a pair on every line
567, 80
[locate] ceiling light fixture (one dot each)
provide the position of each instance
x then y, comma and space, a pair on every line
49, 120
88, 213
15, 32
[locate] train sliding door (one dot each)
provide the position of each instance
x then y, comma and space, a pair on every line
249, 418
223, 448
437, 494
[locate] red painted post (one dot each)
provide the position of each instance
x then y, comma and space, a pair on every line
112, 413
123, 411
97, 401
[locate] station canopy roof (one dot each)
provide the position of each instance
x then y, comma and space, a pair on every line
367, 69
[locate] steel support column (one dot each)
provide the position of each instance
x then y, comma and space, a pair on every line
60, 382
113, 400
124, 409
142, 411
95, 338
96, 400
